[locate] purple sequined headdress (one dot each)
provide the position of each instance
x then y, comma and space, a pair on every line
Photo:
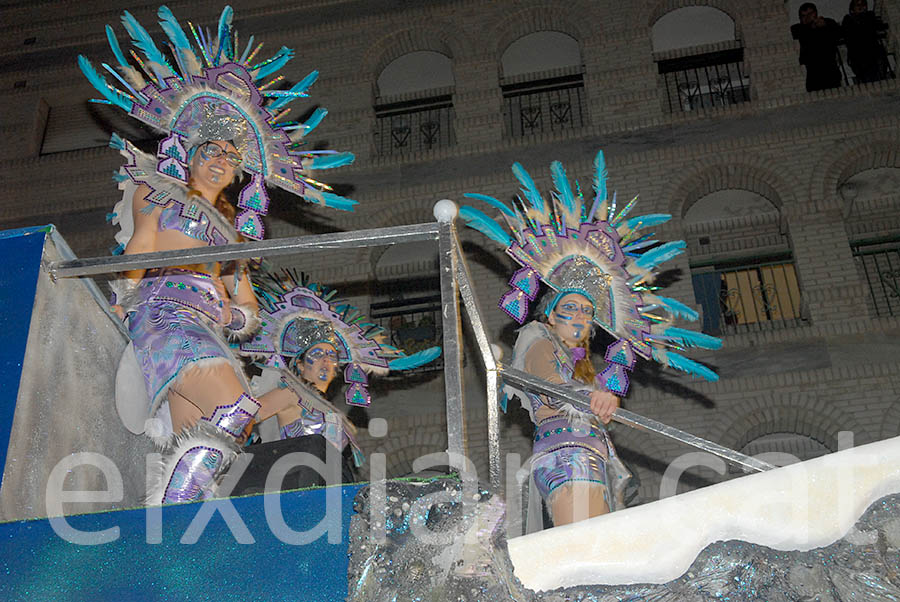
598, 251
297, 314
217, 92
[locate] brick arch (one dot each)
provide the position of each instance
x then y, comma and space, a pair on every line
652, 11
755, 176
438, 36
800, 413
566, 19
850, 158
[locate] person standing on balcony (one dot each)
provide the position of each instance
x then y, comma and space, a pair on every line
861, 29
178, 380
596, 263
819, 38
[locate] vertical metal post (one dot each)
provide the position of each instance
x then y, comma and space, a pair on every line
473, 309
456, 424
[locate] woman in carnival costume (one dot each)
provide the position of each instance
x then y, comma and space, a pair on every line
221, 119
597, 266
307, 335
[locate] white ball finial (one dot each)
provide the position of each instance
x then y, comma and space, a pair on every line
445, 211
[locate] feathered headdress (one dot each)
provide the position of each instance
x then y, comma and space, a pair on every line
218, 94
297, 314
600, 253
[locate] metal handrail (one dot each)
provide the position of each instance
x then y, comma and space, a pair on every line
456, 284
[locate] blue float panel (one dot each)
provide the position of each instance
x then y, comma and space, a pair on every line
21, 252
40, 564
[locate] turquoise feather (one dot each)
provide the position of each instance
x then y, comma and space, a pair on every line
600, 175
477, 220
561, 181
114, 45
679, 362
331, 161
678, 308
99, 82
691, 338
651, 219
660, 254
415, 360
224, 31
275, 63
335, 201
299, 88
116, 142
144, 42
173, 29
314, 120
492, 202
528, 187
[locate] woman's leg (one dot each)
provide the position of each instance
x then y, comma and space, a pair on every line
577, 500
200, 390
210, 411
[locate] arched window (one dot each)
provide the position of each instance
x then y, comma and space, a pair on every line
542, 84
872, 207
414, 104
700, 59
742, 266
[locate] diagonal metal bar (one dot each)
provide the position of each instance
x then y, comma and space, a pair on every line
581, 401
473, 310
265, 248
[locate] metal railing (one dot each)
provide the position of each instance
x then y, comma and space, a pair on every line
414, 125
546, 105
881, 268
705, 81
455, 284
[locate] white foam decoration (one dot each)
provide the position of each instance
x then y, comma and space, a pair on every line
803, 506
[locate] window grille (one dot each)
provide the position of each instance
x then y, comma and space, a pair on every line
880, 265
705, 81
546, 105
749, 298
413, 126
412, 325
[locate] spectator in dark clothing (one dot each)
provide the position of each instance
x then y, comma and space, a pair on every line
818, 38
865, 53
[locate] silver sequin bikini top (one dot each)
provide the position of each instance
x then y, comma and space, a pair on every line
198, 219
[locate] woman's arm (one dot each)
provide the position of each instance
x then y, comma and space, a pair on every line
241, 320
143, 240
541, 362
275, 401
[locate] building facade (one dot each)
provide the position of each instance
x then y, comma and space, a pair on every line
788, 199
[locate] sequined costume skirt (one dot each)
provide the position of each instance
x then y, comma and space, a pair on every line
564, 453
173, 324
314, 422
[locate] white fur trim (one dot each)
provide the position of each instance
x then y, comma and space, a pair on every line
201, 434
249, 327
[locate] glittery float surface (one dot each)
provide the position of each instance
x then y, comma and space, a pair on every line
463, 557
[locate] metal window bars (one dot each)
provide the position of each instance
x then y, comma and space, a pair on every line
414, 126
705, 81
455, 284
880, 264
412, 324
545, 105
759, 297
